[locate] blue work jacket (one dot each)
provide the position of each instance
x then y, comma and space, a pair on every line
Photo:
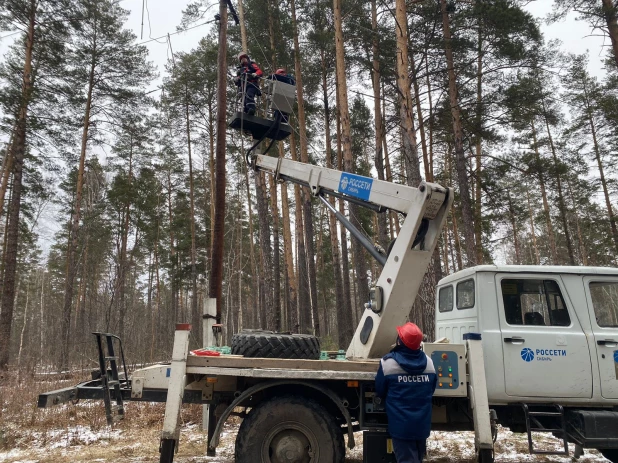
406, 380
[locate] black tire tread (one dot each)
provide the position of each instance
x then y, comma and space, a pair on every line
265, 344
251, 426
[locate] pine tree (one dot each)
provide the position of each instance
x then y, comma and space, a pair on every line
42, 46
109, 68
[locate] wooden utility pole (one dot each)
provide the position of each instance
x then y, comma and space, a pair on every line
216, 263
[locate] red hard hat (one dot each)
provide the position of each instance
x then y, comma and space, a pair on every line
241, 55
280, 72
411, 335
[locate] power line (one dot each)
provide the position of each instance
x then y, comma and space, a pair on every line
11, 34
173, 33
152, 39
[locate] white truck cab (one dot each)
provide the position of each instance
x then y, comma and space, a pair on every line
550, 333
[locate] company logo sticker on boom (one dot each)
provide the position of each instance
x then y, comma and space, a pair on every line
616, 356
355, 185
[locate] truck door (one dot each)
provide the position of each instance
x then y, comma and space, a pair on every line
545, 350
602, 296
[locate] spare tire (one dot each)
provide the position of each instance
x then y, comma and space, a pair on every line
268, 344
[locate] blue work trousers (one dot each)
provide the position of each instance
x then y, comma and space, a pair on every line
250, 92
409, 451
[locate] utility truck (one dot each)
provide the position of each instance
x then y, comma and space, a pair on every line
550, 338
503, 366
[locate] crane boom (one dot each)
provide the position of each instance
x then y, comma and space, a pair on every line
425, 209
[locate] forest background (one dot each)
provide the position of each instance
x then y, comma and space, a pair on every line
468, 94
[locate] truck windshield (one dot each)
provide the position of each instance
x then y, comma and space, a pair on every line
604, 296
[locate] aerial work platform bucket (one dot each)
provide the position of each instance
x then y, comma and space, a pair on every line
280, 98
259, 126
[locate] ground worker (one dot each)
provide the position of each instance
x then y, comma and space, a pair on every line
406, 381
282, 75
247, 79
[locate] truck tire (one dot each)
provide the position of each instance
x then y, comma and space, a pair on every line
268, 344
610, 454
289, 429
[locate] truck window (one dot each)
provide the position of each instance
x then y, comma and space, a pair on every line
445, 299
604, 296
533, 302
465, 294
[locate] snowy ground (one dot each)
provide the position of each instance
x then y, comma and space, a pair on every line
80, 444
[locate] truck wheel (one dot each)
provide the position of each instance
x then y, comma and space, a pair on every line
289, 429
267, 344
610, 454
485, 456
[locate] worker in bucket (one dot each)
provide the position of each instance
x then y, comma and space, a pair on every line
247, 79
406, 381
282, 75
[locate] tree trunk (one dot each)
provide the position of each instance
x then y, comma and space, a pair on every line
243, 27
72, 250
550, 229
306, 196
561, 202
23, 327
196, 315
479, 151
514, 227
292, 312
122, 265
266, 307
460, 158
609, 11
7, 167
344, 329
304, 314
276, 268
346, 312
348, 157
211, 168
532, 230
597, 155
254, 268
12, 232
421, 125
430, 104
215, 289
406, 113
377, 110
173, 253
392, 216
580, 237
